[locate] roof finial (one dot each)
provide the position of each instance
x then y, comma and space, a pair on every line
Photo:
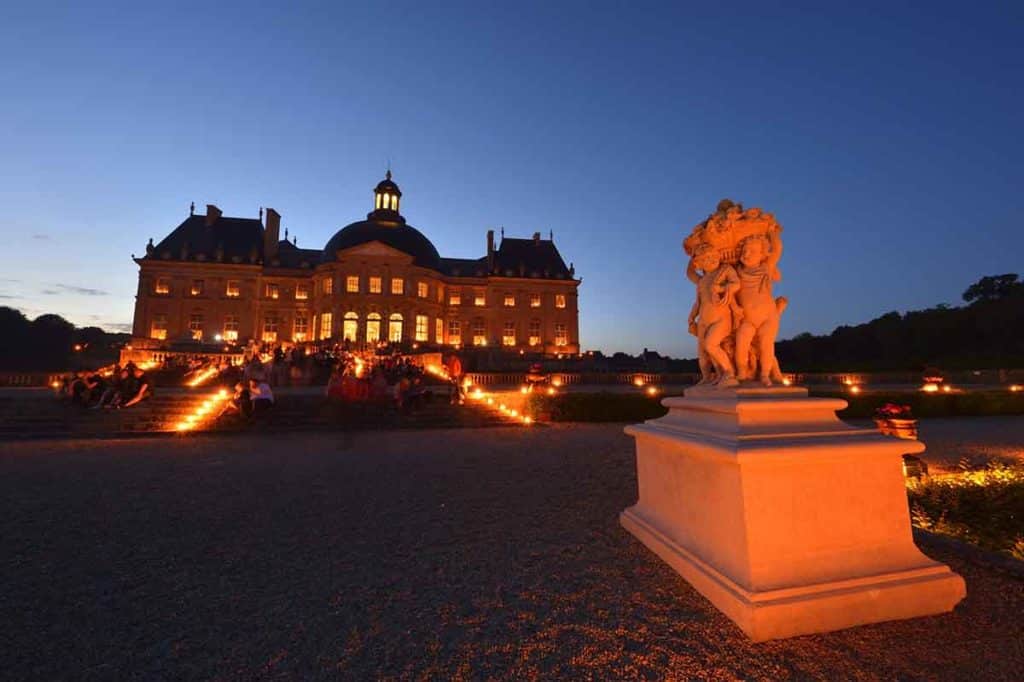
388, 173
295, 240
502, 231
551, 235
261, 214
286, 234
192, 209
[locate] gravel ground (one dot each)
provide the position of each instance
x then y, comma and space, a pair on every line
978, 440
464, 554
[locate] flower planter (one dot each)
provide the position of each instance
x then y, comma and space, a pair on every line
901, 428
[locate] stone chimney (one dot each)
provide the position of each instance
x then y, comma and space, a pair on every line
271, 235
213, 214
490, 251
536, 238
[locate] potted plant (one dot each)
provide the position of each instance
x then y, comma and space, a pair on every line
896, 420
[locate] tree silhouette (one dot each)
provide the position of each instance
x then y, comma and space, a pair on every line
992, 288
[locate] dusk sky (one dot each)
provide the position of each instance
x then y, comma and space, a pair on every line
888, 142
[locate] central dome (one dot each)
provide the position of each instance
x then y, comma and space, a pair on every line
385, 225
400, 236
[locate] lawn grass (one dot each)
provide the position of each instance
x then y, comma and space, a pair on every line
967, 404
605, 406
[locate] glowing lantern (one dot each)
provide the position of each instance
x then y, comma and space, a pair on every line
930, 388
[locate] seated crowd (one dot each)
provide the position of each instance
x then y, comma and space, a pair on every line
119, 387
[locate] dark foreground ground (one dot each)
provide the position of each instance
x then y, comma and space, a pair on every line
469, 554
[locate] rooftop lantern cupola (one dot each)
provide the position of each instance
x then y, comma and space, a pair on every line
386, 197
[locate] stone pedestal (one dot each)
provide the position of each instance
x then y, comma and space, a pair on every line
787, 519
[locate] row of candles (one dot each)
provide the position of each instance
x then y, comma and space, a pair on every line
202, 411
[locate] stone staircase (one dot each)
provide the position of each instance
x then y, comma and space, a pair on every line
39, 415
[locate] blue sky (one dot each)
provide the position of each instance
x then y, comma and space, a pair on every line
885, 138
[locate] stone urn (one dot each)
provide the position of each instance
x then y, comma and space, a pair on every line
897, 426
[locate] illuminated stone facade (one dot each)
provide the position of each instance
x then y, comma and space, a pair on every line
217, 278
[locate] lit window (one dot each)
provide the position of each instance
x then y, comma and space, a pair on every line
269, 329
352, 284
387, 201
373, 328
397, 286
230, 328
158, 327
326, 325
508, 334
534, 337
479, 299
377, 201
329, 286
422, 290
454, 297
479, 333
561, 337
510, 301
273, 291
534, 300
300, 328
195, 326
439, 331
301, 292
350, 327
232, 289
197, 287
454, 332
422, 328
395, 328
559, 300
375, 285
162, 286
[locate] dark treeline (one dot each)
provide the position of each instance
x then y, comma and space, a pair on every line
987, 333
48, 343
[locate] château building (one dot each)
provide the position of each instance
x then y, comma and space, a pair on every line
221, 279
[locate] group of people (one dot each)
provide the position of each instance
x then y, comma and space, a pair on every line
253, 395
382, 380
119, 387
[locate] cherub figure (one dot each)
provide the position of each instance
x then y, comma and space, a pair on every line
711, 318
759, 258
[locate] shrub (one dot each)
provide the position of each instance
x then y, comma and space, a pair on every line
984, 507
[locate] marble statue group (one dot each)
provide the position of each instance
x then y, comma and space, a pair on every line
734, 257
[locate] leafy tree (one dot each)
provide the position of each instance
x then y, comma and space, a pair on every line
992, 288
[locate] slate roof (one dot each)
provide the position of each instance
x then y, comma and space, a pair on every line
291, 256
240, 240
226, 240
464, 267
400, 236
529, 258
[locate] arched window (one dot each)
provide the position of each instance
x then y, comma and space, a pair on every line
350, 327
373, 328
395, 328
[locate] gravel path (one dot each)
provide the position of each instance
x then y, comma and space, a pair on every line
463, 554
976, 439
